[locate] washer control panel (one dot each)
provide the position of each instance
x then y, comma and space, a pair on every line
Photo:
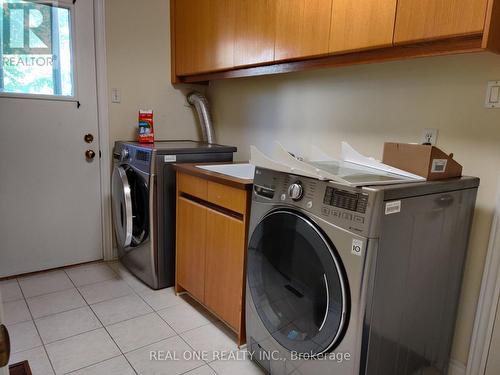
345, 199
341, 205
135, 156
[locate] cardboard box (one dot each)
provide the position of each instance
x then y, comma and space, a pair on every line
423, 160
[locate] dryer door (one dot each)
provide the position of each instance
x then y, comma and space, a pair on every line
130, 206
297, 283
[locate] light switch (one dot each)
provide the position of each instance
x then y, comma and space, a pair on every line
115, 96
493, 95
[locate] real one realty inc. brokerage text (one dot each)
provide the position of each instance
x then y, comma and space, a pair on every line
241, 355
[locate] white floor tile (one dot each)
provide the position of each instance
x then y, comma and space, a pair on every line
203, 370
211, 338
37, 360
105, 290
130, 279
136, 284
138, 332
90, 274
54, 303
16, 312
66, 324
44, 283
185, 316
119, 309
81, 351
10, 290
234, 366
161, 299
118, 268
23, 336
143, 363
115, 265
113, 366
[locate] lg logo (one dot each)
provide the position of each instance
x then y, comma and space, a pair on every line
27, 28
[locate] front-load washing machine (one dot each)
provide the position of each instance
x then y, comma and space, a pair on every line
143, 201
348, 280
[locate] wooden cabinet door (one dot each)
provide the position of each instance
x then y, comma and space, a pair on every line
302, 28
204, 35
362, 24
433, 19
190, 249
255, 31
225, 256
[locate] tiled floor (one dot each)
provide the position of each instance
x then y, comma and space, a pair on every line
99, 319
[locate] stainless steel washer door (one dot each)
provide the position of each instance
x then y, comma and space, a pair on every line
297, 283
122, 207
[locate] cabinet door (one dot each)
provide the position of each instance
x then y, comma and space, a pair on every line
255, 31
302, 28
204, 35
362, 24
432, 19
225, 254
190, 249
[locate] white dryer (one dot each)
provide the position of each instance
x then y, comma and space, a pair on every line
345, 280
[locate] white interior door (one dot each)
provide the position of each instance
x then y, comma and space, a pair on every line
49, 191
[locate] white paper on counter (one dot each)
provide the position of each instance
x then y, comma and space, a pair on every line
349, 154
323, 167
259, 159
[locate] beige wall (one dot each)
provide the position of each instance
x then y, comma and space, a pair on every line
138, 56
367, 105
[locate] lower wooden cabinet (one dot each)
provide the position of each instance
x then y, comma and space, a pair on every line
211, 246
224, 266
191, 245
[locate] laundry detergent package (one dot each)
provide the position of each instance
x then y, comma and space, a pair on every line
146, 132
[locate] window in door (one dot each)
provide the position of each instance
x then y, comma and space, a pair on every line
36, 48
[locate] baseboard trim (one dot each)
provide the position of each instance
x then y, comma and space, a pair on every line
456, 368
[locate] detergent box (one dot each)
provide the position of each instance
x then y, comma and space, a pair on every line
145, 131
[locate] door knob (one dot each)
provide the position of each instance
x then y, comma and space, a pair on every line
4, 346
89, 138
89, 155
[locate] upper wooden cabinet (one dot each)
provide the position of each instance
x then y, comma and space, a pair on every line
302, 28
255, 31
361, 24
420, 20
204, 35
214, 39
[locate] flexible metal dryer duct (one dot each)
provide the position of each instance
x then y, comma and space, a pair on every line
200, 103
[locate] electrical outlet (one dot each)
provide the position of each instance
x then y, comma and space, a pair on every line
115, 96
429, 136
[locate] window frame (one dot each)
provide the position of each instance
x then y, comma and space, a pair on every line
70, 5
